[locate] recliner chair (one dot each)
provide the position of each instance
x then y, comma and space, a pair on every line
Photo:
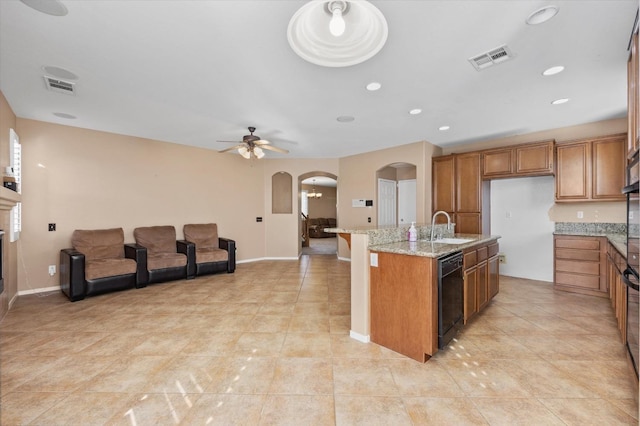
212, 253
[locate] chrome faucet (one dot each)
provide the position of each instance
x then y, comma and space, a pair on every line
433, 221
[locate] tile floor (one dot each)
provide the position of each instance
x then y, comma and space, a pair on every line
270, 345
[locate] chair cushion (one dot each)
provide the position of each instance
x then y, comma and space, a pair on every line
99, 243
157, 239
101, 268
166, 260
206, 255
203, 235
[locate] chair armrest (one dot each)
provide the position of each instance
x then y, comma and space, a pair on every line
189, 249
230, 246
72, 280
139, 254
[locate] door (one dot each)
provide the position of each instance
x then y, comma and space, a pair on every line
406, 201
386, 202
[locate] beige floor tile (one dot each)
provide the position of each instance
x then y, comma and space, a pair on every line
370, 410
343, 346
443, 411
259, 344
429, 379
485, 379
20, 408
241, 375
216, 409
162, 344
363, 377
303, 376
269, 324
628, 405
16, 370
309, 324
340, 324
128, 374
73, 409
588, 412
298, 410
307, 345
211, 343
610, 379
516, 411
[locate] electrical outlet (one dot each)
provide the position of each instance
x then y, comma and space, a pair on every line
580, 215
52, 270
502, 258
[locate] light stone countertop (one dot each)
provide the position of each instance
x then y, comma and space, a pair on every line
427, 248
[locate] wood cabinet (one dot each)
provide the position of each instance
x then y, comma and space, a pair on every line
579, 264
404, 304
533, 159
633, 95
591, 170
481, 277
616, 264
458, 190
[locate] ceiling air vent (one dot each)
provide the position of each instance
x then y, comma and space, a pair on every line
60, 86
492, 57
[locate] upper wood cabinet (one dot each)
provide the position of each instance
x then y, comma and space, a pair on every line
468, 183
533, 159
591, 169
443, 179
633, 95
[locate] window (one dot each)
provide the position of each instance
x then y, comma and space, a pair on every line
15, 154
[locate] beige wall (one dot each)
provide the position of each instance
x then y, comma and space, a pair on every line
613, 212
10, 252
324, 206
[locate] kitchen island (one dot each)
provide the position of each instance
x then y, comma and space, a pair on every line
409, 263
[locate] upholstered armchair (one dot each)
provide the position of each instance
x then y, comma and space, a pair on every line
212, 253
163, 258
99, 262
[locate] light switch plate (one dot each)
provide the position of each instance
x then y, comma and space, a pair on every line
373, 259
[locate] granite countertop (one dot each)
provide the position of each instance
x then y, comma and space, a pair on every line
614, 232
427, 248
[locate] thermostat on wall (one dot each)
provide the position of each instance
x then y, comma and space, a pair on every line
358, 203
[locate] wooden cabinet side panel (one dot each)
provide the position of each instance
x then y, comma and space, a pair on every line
443, 176
404, 305
468, 183
609, 165
572, 171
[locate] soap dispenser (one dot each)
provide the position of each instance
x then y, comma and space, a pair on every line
413, 233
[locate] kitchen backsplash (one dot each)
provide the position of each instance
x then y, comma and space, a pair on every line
591, 228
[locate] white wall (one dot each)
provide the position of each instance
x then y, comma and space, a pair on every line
527, 235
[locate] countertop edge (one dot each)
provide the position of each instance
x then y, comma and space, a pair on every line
425, 248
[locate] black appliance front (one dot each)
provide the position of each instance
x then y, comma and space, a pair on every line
630, 275
450, 297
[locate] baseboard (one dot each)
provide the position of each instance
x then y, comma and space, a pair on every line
38, 290
344, 259
359, 337
258, 259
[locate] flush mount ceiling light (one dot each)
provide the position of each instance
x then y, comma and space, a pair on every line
49, 7
345, 119
553, 70
542, 15
560, 101
337, 33
443, 128
373, 86
415, 111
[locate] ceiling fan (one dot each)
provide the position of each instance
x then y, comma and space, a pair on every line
252, 146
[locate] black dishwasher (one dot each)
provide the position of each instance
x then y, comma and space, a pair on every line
450, 297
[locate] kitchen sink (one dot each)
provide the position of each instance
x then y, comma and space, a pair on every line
453, 240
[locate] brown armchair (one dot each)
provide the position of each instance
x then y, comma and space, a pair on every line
212, 253
99, 262
317, 226
163, 258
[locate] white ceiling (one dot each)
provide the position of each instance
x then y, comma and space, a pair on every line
194, 72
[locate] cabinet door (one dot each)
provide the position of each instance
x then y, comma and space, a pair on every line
497, 163
573, 171
633, 98
470, 296
609, 165
444, 184
468, 223
534, 159
482, 288
494, 276
468, 183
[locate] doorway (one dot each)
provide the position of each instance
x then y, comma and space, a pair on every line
318, 211
397, 194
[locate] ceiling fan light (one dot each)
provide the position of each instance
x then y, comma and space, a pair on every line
258, 152
244, 152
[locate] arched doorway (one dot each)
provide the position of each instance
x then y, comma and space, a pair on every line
318, 195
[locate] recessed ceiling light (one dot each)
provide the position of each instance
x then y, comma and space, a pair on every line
50, 7
553, 70
345, 119
65, 115
542, 15
560, 101
373, 86
415, 111
60, 73
443, 128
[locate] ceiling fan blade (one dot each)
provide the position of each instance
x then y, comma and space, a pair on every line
233, 147
274, 148
230, 141
262, 142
